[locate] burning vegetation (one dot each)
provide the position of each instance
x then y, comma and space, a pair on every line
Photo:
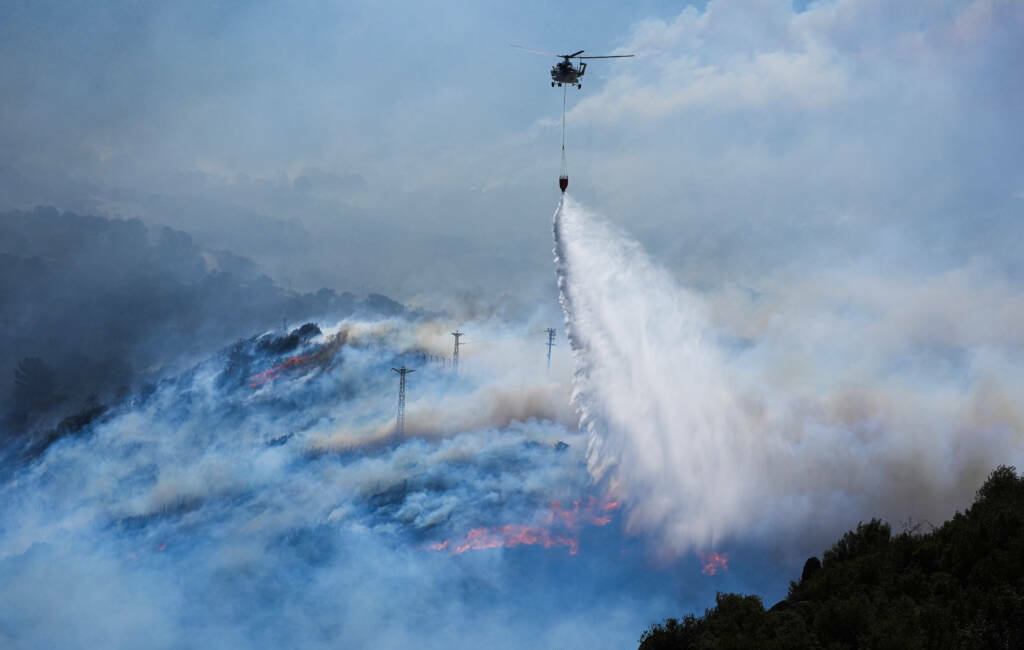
713, 562
559, 528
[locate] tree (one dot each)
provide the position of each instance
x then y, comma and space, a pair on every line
959, 586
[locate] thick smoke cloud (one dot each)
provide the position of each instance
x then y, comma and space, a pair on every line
755, 144
262, 499
891, 403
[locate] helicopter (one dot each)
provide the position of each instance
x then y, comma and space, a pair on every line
564, 72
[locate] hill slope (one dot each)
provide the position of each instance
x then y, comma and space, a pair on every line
959, 586
92, 307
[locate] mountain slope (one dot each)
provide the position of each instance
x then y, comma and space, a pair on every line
92, 307
959, 586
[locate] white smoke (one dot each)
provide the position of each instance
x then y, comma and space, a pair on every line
237, 505
707, 443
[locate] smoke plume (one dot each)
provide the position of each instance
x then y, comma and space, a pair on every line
263, 499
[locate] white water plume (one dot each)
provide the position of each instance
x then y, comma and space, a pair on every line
651, 391
706, 444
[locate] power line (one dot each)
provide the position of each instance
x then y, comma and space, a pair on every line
400, 416
563, 175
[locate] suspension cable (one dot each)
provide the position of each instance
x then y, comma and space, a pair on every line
563, 118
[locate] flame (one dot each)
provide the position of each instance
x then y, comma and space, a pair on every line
558, 528
512, 535
713, 562
321, 355
589, 513
271, 374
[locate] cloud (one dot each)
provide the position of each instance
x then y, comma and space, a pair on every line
733, 57
742, 132
747, 140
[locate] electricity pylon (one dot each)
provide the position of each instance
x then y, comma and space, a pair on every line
455, 355
551, 343
400, 416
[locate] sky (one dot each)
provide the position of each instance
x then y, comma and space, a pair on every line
355, 126
406, 148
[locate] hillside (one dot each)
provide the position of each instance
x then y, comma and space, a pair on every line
93, 307
960, 585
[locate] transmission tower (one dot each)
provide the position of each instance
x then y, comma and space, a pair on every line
551, 343
455, 356
400, 416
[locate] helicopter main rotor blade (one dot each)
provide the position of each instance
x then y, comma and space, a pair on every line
573, 55
613, 56
536, 51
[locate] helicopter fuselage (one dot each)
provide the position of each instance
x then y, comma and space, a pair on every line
564, 72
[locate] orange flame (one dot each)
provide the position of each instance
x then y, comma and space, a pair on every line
557, 529
512, 535
713, 562
271, 374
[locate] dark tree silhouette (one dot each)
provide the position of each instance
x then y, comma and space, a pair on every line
958, 586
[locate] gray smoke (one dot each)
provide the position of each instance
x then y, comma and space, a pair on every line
262, 499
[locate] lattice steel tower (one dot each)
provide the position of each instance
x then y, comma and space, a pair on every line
455, 356
400, 416
551, 343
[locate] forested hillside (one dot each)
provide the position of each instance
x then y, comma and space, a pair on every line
91, 306
960, 585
